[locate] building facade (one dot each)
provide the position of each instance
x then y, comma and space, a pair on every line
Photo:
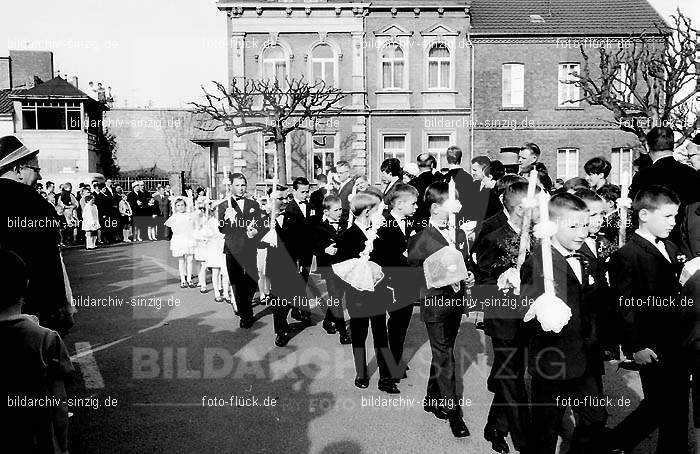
484, 75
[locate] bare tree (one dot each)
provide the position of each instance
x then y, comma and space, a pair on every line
272, 108
647, 80
177, 128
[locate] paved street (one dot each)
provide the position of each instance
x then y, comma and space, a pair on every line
175, 371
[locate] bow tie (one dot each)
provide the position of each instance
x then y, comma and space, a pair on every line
573, 255
238, 198
334, 222
444, 227
658, 240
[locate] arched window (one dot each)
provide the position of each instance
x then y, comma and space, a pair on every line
439, 66
323, 64
393, 62
274, 63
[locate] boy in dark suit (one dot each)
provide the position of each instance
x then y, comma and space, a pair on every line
564, 366
391, 253
366, 308
645, 271
497, 252
242, 234
426, 164
441, 308
325, 237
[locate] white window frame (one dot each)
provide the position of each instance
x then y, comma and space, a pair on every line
393, 61
509, 97
567, 91
571, 169
440, 155
407, 146
267, 61
442, 85
67, 106
322, 151
334, 60
621, 159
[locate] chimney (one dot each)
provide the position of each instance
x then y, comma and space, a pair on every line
74, 81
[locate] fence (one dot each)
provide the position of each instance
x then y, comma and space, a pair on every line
149, 184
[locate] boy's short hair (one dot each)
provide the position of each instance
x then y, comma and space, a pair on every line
482, 161
362, 201
515, 193
400, 190
300, 181
426, 161
610, 192
453, 155
392, 166
534, 149
652, 197
375, 191
437, 192
588, 195
278, 188
564, 201
330, 200
238, 176
15, 272
576, 183
505, 181
660, 138
496, 170
597, 166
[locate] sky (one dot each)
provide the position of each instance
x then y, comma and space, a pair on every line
155, 53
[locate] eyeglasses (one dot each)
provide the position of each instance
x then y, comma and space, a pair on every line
36, 169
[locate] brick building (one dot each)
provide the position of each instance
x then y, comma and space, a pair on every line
484, 75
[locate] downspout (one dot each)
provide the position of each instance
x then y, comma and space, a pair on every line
471, 97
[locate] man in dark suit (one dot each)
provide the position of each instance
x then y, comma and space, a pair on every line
287, 287
317, 196
426, 165
345, 185
500, 217
464, 183
240, 220
565, 368
164, 210
645, 271
298, 220
666, 171
441, 309
390, 172
391, 252
503, 323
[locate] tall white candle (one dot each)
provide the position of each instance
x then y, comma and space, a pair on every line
624, 192
546, 245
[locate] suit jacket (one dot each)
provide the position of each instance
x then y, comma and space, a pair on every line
236, 241
501, 320
572, 351
690, 230
324, 234
680, 178
691, 289
162, 201
421, 183
316, 202
280, 267
344, 193
391, 253
489, 225
466, 193
421, 246
297, 226
639, 271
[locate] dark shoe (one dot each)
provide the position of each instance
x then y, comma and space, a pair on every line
437, 411
246, 322
459, 429
345, 339
388, 386
328, 326
497, 440
302, 317
282, 339
361, 382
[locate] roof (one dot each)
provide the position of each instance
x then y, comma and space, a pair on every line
564, 17
56, 87
6, 102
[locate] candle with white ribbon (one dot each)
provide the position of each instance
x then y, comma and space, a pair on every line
546, 241
527, 217
452, 194
624, 190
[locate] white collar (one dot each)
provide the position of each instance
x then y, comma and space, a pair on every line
515, 228
654, 161
506, 212
647, 236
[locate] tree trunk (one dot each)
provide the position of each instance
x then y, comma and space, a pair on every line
281, 158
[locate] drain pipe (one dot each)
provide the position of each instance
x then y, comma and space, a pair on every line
471, 97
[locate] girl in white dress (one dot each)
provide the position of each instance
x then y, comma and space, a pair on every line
91, 222
202, 237
182, 241
216, 260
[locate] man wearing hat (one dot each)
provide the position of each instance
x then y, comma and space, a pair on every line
509, 156
29, 226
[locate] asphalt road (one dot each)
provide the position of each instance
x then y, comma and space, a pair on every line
168, 370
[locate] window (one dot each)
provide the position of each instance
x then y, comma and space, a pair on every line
567, 163
393, 67
268, 160
51, 115
323, 64
621, 84
437, 146
394, 146
439, 67
323, 153
621, 160
567, 91
274, 63
513, 85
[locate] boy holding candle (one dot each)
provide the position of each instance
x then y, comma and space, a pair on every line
645, 271
564, 365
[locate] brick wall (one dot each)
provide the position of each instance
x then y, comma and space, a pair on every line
29, 63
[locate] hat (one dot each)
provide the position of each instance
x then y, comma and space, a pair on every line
12, 151
509, 156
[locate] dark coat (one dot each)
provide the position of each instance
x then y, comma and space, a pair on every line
236, 241
421, 183
281, 269
298, 226
465, 193
390, 251
639, 271
323, 236
490, 224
